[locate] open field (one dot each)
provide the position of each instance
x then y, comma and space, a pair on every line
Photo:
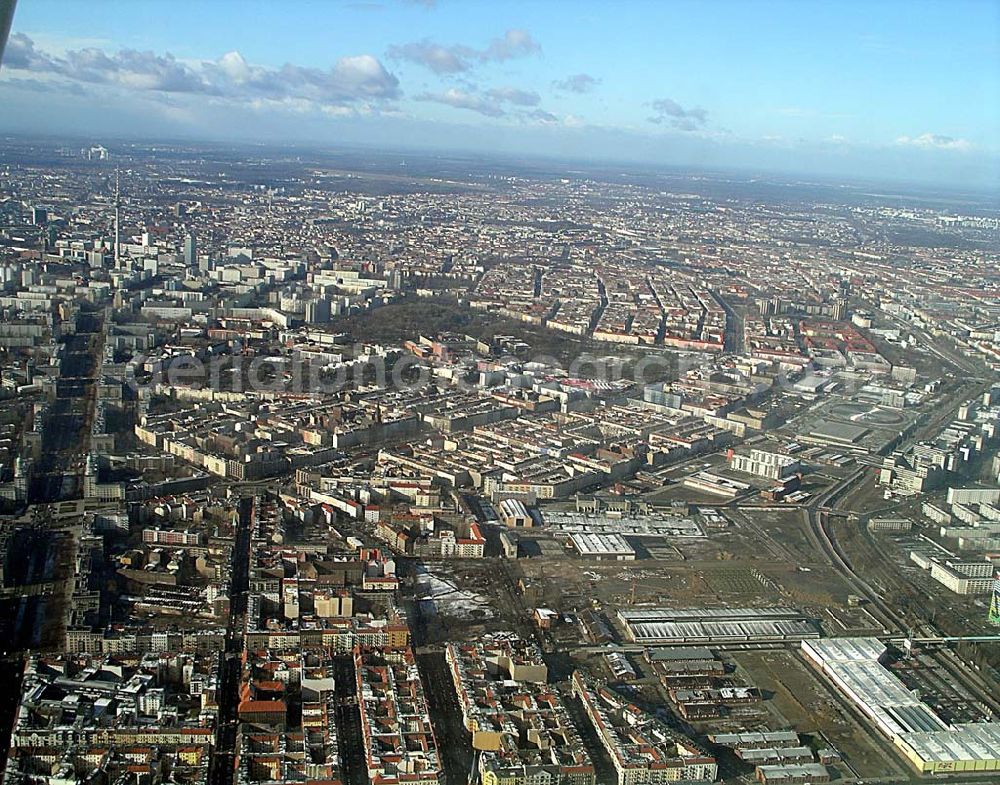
800, 700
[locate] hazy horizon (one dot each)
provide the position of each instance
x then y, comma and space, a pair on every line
850, 90
984, 195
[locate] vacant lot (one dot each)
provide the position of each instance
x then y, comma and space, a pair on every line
801, 701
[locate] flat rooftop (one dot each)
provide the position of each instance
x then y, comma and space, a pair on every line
706, 625
855, 666
842, 433
601, 544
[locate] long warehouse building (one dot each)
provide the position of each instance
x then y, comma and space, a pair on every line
653, 626
854, 665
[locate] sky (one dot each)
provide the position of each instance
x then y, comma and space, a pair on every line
854, 89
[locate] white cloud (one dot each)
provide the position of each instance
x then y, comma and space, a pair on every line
234, 66
513, 43
934, 142
490, 103
513, 95
439, 59
351, 79
460, 99
667, 110
458, 58
577, 83
542, 117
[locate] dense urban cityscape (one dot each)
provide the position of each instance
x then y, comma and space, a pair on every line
610, 438
356, 468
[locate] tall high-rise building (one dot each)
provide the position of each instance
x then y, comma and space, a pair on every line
22, 478
39, 216
190, 250
994, 615
317, 310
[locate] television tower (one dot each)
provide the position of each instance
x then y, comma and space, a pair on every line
118, 217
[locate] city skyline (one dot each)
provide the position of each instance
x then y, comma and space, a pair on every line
444, 392
839, 90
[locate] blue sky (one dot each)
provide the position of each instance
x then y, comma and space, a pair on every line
876, 88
